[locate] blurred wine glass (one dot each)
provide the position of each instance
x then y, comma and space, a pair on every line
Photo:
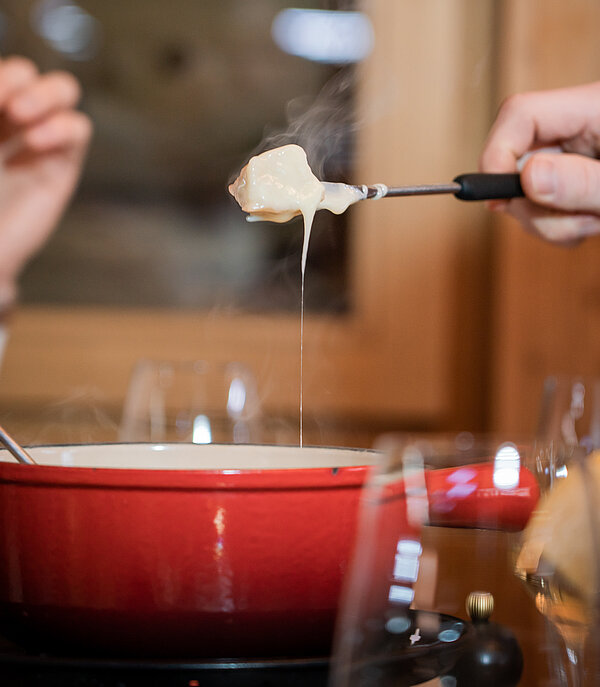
389, 631
558, 555
570, 412
196, 401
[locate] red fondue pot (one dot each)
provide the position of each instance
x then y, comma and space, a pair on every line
195, 550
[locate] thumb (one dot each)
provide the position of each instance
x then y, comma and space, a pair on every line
564, 182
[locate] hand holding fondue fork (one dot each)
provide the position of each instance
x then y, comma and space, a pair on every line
554, 193
562, 190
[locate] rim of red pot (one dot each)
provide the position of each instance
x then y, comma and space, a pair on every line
269, 473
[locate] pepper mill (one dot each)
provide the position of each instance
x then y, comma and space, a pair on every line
493, 656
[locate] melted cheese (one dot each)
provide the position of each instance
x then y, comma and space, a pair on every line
279, 185
339, 197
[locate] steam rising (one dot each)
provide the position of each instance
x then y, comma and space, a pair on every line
324, 128
82, 417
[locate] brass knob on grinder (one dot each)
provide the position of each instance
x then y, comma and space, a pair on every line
479, 606
492, 657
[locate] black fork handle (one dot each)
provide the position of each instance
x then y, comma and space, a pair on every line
479, 186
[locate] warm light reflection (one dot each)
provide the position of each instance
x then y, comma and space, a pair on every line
202, 432
328, 36
561, 472
417, 501
236, 399
400, 594
463, 484
507, 467
406, 569
219, 523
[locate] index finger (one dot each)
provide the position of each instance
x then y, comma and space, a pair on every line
530, 120
49, 92
16, 73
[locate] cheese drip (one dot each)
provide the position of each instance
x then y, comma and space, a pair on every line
279, 185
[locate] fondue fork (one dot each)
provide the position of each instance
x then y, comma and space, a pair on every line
16, 449
475, 186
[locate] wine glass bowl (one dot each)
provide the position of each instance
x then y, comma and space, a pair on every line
570, 412
193, 401
389, 604
556, 557
558, 554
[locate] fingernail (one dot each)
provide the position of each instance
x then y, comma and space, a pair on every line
543, 178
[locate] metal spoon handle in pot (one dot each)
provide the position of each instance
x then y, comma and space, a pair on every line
18, 451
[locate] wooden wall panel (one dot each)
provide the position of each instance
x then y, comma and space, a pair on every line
439, 299
424, 110
547, 310
409, 353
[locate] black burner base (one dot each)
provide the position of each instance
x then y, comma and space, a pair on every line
20, 669
426, 645
31, 671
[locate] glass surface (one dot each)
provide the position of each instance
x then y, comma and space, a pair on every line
181, 94
541, 493
395, 627
196, 401
558, 558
